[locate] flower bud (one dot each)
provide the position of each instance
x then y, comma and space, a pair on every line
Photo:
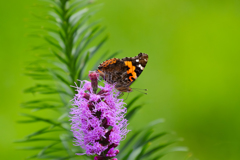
98, 158
93, 76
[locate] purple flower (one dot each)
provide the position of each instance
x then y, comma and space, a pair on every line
98, 122
112, 152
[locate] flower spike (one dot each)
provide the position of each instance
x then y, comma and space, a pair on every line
98, 122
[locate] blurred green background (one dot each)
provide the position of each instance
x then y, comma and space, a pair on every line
192, 75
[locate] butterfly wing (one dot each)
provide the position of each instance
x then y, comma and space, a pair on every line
123, 72
114, 71
135, 65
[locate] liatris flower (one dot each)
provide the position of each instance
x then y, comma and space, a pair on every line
98, 122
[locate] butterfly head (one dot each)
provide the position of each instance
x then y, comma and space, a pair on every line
123, 88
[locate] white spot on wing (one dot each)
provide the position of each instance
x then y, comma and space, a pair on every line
145, 60
140, 66
137, 60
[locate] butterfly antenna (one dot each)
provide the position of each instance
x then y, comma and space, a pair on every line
127, 96
140, 90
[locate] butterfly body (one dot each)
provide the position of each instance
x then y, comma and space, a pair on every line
123, 72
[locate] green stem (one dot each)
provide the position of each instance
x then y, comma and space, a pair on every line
68, 42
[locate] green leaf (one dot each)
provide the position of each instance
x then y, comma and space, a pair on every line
126, 156
156, 149
27, 121
64, 141
42, 100
94, 50
36, 148
82, 65
42, 131
135, 135
59, 57
174, 149
88, 37
144, 148
37, 139
133, 100
155, 122
77, 16
53, 2
54, 44
141, 141
63, 80
46, 89
80, 28
43, 151
39, 76
36, 118
41, 107
157, 136
37, 133
57, 11
55, 16
46, 156
74, 7
132, 112
57, 37
72, 4
128, 143
134, 154
91, 53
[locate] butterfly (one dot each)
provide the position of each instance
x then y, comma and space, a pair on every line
123, 72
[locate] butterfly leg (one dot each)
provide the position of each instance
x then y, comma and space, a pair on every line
121, 94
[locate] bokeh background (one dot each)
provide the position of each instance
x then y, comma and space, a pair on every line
192, 75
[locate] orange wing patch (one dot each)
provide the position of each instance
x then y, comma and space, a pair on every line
131, 70
100, 71
110, 61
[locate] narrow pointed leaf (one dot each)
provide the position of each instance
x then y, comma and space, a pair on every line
141, 141
127, 155
37, 139
128, 143
53, 44
42, 152
133, 100
40, 119
144, 148
95, 49
132, 112
156, 149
